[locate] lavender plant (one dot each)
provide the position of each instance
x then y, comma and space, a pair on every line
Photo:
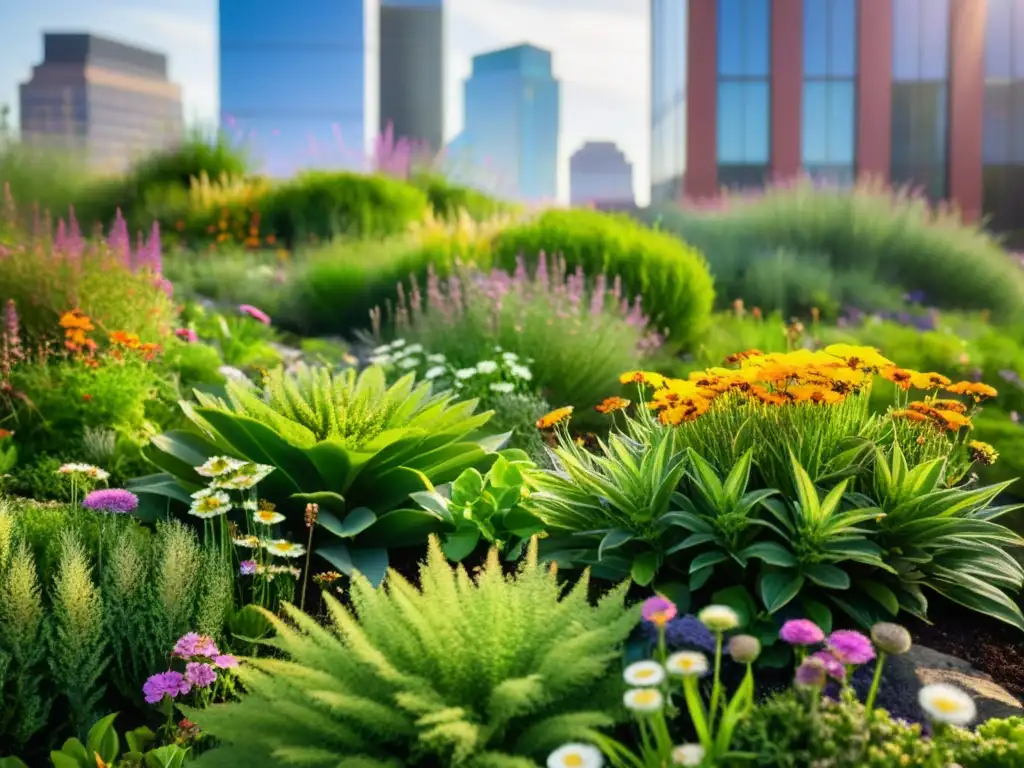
576, 331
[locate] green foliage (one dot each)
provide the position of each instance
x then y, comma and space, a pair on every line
458, 673
192, 365
518, 414
486, 507
43, 179
326, 205
232, 277
241, 341
784, 733
672, 278
449, 201
351, 444
894, 238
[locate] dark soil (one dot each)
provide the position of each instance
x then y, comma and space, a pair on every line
990, 645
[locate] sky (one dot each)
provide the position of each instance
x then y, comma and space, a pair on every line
601, 52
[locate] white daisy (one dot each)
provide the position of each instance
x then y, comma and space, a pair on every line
719, 618
688, 754
216, 466
486, 366
576, 756
502, 387
267, 517
521, 372
510, 357
211, 505
413, 349
433, 373
283, 548
465, 373
95, 473
249, 542
249, 505
644, 700
73, 469
408, 362
643, 673
945, 703
687, 663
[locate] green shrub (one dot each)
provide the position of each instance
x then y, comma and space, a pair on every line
459, 673
449, 201
322, 205
353, 445
36, 180
230, 277
893, 238
673, 279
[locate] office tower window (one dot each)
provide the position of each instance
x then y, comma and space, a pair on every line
744, 103
920, 95
829, 115
1003, 134
669, 25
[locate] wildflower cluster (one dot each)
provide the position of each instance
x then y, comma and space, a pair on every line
204, 665
82, 477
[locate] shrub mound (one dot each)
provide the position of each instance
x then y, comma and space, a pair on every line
673, 279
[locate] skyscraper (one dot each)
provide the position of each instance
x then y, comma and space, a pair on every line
412, 69
299, 83
511, 121
600, 174
109, 100
922, 93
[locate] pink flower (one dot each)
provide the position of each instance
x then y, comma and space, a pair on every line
801, 632
255, 313
206, 647
187, 335
850, 647
225, 661
165, 684
659, 610
185, 648
199, 675
833, 667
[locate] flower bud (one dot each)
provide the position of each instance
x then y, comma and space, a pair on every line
744, 649
891, 638
719, 618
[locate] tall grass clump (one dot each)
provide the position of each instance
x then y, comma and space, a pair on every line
42, 178
673, 278
880, 236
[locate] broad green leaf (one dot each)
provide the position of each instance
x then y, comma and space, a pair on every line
521, 522
467, 487
738, 478
102, 739
693, 540
818, 613
460, 544
770, 552
778, 588
645, 566
707, 560
404, 528
64, 760
333, 464
700, 578
179, 453
675, 591
828, 576
739, 599
881, 594
139, 739
706, 479
371, 563
356, 521
433, 502
613, 540
324, 499
806, 493
687, 520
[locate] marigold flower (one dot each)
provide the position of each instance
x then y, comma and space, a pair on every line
982, 453
975, 389
928, 381
948, 405
556, 416
901, 377
129, 340
611, 404
651, 379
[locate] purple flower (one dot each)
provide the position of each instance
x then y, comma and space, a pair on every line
833, 667
193, 644
684, 632
116, 500
811, 673
225, 661
659, 610
850, 647
247, 567
165, 684
801, 632
199, 675
254, 313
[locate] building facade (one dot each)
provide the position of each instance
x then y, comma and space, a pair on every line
511, 122
918, 93
600, 175
412, 70
299, 84
110, 101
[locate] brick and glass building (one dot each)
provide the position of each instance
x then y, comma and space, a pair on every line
110, 101
924, 93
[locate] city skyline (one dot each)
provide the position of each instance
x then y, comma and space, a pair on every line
601, 51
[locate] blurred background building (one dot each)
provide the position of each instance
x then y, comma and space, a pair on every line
600, 175
110, 101
300, 83
923, 93
511, 122
412, 70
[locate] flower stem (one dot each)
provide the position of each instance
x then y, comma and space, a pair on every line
869, 703
305, 571
716, 687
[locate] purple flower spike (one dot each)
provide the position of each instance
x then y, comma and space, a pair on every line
850, 647
801, 632
199, 675
165, 684
114, 500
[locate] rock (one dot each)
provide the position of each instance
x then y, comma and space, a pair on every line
905, 675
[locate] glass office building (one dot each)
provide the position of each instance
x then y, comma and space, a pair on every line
669, 24
299, 84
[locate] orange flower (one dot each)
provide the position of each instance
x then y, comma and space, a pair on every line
745, 355
948, 405
129, 340
951, 420
556, 416
611, 404
901, 377
975, 389
5, 433
910, 415
928, 381
768, 397
812, 393
649, 378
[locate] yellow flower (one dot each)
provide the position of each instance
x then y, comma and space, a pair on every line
901, 377
649, 378
611, 404
556, 416
745, 355
975, 389
862, 358
928, 381
982, 453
